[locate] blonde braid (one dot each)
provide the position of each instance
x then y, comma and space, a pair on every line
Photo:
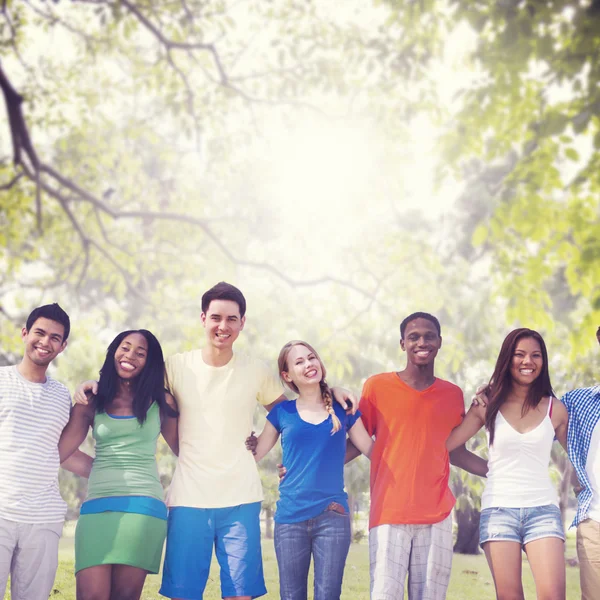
328, 406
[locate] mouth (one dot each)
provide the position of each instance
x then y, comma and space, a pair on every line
42, 352
311, 373
423, 353
127, 366
223, 336
526, 371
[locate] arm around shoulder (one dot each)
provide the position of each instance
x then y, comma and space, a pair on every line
360, 438
473, 421
76, 430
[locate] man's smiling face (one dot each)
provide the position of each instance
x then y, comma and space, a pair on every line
44, 341
421, 342
222, 323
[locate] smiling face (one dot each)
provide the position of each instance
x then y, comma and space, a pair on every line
44, 341
223, 323
421, 342
130, 356
527, 361
303, 367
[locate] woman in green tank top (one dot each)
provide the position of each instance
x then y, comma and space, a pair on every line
122, 525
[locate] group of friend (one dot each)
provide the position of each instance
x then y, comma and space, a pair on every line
411, 424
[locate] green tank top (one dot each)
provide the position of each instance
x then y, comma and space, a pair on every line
125, 463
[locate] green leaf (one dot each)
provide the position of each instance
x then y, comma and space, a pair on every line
572, 154
480, 235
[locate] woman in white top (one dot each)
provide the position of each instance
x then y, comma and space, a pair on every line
519, 507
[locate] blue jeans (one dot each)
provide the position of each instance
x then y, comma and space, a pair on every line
327, 538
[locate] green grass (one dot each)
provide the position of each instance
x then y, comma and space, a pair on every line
471, 577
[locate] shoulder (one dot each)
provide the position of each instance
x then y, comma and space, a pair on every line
448, 387
559, 410
581, 395
379, 380
59, 389
286, 406
182, 357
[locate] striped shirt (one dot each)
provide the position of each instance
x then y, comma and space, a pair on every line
583, 406
32, 417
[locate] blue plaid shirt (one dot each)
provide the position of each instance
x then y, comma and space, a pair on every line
583, 406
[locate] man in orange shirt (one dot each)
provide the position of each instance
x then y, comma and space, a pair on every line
411, 414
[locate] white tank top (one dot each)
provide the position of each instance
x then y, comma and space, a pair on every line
518, 475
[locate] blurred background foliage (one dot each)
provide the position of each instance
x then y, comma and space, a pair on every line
343, 163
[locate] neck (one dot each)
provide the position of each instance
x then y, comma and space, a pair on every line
125, 389
216, 357
310, 394
419, 375
518, 392
31, 371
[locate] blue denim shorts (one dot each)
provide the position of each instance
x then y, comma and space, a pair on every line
234, 532
521, 525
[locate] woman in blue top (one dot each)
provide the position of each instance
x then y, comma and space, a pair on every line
312, 516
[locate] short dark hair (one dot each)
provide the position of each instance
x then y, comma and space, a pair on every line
53, 312
224, 291
419, 315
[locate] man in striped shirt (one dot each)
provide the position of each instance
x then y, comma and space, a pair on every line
583, 439
34, 408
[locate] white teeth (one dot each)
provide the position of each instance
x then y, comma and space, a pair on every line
526, 371
423, 353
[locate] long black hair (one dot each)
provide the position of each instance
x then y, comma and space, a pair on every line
148, 386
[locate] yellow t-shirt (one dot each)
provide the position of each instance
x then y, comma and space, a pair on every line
216, 405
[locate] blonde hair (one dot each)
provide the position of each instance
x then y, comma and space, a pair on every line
325, 391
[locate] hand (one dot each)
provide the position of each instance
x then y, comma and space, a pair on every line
282, 472
251, 443
480, 398
346, 399
81, 393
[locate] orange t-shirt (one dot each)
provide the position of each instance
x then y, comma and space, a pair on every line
409, 462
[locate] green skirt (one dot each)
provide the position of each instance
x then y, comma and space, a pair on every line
119, 538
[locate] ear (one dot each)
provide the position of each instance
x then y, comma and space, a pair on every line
440, 341
402, 344
24, 333
285, 376
203, 318
64, 345
242, 322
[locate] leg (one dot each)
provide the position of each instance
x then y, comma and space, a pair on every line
505, 561
35, 561
93, 583
237, 545
588, 552
547, 560
190, 540
127, 583
293, 548
389, 553
8, 544
331, 542
430, 561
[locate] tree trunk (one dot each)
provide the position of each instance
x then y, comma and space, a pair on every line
467, 537
269, 523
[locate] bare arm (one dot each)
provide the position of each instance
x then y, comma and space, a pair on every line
79, 463
462, 458
169, 425
266, 440
83, 391
76, 430
560, 421
360, 439
352, 451
471, 424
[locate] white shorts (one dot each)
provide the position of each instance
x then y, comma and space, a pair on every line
29, 553
423, 552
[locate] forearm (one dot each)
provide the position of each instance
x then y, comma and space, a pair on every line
79, 463
463, 459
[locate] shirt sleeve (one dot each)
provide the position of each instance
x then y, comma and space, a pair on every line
367, 408
566, 400
351, 420
270, 386
170, 368
273, 417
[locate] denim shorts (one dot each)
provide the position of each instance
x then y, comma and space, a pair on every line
521, 525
